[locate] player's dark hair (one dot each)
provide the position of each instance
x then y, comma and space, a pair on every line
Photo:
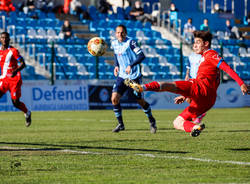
123, 27
6, 33
204, 35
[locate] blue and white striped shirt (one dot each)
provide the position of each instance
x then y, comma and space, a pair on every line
128, 53
194, 63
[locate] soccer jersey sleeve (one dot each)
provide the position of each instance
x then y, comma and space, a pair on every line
226, 68
219, 62
139, 54
16, 55
213, 58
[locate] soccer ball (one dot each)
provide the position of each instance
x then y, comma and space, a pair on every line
97, 46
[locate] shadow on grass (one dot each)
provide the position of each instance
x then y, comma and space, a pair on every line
158, 130
54, 147
239, 149
140, 130
234, 131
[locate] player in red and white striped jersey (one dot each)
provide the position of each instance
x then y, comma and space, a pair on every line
201, 90
10, 79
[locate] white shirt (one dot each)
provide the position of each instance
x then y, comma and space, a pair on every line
194, 63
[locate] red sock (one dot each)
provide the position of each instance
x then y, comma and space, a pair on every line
188, 126
152, 86
23, 107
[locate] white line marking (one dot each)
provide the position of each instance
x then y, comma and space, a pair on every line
197, 159
137, 154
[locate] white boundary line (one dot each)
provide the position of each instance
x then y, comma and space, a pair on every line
139, 154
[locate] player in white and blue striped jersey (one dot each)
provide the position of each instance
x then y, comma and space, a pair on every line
193, 65
128, 57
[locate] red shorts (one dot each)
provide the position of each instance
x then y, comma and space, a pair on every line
13, 86
202, 99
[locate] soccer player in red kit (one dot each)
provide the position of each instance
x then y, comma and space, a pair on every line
201, 90
10, 79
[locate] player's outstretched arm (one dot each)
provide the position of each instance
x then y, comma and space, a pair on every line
245, 89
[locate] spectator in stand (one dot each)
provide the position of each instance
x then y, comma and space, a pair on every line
217, 8
104, 7
41, 5
137, 13
173, 16
118, 3
131, 3
204, 26
188, 31
231, 32
75, 7
29, 6
6, 5
66, 31
50, 5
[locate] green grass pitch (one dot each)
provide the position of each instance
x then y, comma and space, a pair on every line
78, 147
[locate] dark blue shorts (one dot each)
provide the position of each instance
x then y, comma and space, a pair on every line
121, 88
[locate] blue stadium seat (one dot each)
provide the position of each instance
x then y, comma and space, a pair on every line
120, 13
93, 12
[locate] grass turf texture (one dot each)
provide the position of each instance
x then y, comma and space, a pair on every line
38, 154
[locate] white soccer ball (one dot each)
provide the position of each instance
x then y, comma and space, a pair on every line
97, 46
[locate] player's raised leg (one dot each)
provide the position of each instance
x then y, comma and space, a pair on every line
152, 86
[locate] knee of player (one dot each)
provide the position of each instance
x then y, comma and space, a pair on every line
114, 100
178, 122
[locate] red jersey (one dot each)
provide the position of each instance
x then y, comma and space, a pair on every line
208, 75
8, 63
202, 90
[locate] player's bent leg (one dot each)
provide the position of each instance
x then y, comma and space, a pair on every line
115, 99
147, 110
160, 86
178, 123
199, 119
21, 106
181, 124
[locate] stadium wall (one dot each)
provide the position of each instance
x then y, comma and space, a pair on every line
80, 95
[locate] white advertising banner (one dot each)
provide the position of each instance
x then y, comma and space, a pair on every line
44, 97
40, 96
